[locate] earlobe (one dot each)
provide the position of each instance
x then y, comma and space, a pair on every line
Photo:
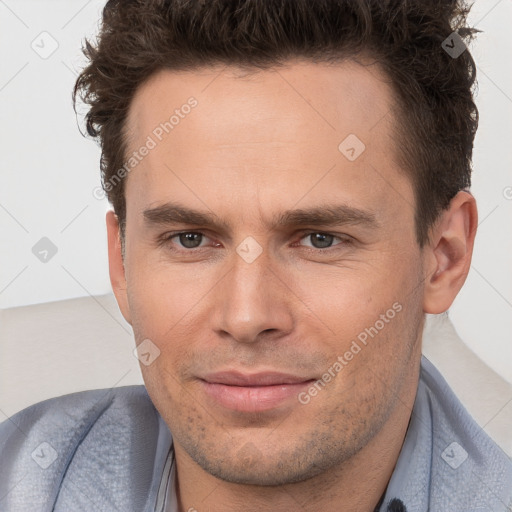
448, 256
116, 265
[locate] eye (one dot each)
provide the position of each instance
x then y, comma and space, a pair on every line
321, 240
186, 239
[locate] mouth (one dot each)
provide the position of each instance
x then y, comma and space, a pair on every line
253, 392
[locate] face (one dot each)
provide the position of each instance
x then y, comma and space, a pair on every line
271, 261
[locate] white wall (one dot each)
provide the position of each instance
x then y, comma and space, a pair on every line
49, 171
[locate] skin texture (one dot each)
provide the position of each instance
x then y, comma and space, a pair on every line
257, 145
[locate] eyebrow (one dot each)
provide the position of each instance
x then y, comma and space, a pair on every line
328, 215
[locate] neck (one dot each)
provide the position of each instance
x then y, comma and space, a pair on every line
357, 485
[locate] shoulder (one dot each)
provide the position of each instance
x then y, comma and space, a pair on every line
467, 465
95, 438
447, 461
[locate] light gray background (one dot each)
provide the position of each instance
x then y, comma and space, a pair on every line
49, 171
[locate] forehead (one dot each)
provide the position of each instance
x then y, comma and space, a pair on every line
346, 95
274, 133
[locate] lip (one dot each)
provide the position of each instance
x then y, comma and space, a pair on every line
255, 392
234, 378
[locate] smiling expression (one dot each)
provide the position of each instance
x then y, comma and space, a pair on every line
265, 232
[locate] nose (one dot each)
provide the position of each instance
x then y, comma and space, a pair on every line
253, 302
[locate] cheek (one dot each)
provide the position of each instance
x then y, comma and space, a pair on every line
163, 297
365, 321
155, 313
344, 301
369, 361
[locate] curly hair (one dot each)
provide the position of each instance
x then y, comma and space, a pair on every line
436, 118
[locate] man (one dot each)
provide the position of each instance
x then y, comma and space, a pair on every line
290, 191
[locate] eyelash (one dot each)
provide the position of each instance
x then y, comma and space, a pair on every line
344, 240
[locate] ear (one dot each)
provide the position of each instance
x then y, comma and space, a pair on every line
448, 253
116, 265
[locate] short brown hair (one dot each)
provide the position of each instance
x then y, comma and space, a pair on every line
437, 117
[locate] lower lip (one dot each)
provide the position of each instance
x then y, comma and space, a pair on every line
253, 398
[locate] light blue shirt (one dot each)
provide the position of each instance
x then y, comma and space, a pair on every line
110, 450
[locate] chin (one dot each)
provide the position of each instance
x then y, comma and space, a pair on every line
273, 466
266, 475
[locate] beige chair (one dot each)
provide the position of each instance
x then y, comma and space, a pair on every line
56, 348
